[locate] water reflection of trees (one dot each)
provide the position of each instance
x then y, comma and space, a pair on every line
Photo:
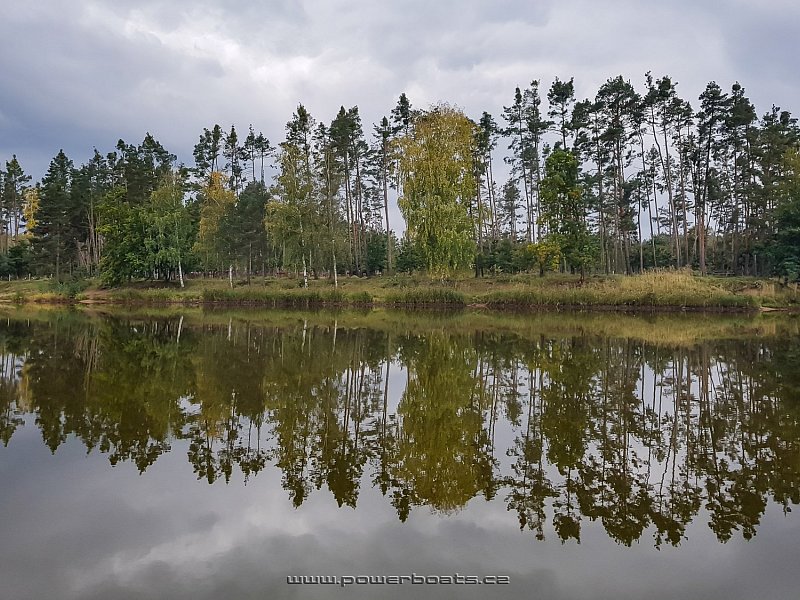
640, 437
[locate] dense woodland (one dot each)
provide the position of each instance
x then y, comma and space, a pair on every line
629, 180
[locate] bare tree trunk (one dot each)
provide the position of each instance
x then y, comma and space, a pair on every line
524, 176
681, 161
386, 212
649, 210
490, 192
641, 244
666, 166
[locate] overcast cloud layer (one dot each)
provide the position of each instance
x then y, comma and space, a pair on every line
82, 74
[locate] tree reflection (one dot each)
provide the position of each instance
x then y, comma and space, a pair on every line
442, 445
640, 438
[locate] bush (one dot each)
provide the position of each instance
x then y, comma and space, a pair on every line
69, 288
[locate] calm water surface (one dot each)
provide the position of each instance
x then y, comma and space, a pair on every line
211, 455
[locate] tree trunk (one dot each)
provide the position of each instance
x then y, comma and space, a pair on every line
335, 274
386, 212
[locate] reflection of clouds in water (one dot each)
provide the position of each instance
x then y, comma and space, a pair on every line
163, 534
107, 532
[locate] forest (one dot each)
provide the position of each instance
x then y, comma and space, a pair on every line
630, 180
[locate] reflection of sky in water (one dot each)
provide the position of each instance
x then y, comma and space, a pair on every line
74, 527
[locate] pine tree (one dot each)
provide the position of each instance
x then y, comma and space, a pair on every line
234, 154
561, 97
714, 106
485, 142
383, 136
55, 231
12, 186
618, 105
293, 217
520, 146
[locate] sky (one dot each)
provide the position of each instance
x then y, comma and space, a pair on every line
85, 73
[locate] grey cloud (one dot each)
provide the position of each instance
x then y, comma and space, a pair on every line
75, 87
99, 71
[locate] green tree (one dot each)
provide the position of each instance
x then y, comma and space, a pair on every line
294, 215
92, 181
170, 233
234, 155
409, 257
438, 185
213, 244
14, 181
526, 128
486, 142
561, 96
122, 226
545, 254
244, 224
56, 230
383, 135
786, 246
564, 210
206, 152
352, 154
140, 169
619, 106
714, 108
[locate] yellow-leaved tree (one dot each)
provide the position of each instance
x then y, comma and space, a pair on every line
217, 200
437, 169
30, 206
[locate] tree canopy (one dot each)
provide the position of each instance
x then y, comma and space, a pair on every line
438, 187
630, 178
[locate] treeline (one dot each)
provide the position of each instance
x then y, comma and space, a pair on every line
622, 182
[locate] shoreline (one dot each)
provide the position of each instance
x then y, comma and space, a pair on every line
652, 292
300, 303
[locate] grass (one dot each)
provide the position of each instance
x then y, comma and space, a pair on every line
669, 290
674, 289
288, 298
427, 296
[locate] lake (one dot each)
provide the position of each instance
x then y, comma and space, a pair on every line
212, 454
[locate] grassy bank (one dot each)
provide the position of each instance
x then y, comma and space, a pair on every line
669, 290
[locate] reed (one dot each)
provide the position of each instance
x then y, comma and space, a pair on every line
671, 289
427, 296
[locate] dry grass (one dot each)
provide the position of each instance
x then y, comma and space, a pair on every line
651, 290
674, 289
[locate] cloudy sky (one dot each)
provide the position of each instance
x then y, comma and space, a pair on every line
82, 74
